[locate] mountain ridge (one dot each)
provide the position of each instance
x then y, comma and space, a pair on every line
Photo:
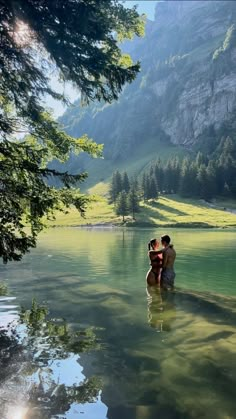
184, 96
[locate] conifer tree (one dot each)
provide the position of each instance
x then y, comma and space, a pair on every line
204, 190
125, 183
159, 175
116, 186
175, 172
211, 179
201, 159
135, 184
133, 201
168, 177
152, 189
121, 207
145, 187
185, 187
79, 41
193, 181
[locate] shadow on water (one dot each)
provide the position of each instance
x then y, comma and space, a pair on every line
35, 351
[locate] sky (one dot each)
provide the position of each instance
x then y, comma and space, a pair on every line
144, 6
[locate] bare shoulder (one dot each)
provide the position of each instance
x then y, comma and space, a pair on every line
171, 250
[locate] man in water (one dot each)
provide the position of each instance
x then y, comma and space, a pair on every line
169, 255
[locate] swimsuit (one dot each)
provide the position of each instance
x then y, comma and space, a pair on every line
156, 274
167, 277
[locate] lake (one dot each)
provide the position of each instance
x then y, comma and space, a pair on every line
96, 344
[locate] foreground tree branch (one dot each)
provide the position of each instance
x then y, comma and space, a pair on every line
79, 40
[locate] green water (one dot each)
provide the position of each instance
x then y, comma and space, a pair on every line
121, 352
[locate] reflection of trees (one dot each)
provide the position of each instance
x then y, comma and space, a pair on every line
60, 339
3, 289
33, 346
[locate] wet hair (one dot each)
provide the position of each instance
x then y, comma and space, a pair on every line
165, 239
151, 244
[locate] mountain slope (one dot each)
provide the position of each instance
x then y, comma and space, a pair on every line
184, 97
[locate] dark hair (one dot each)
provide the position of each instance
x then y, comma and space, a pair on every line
165, 239
151, 244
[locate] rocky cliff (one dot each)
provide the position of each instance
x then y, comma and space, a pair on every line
186, 91
202, 75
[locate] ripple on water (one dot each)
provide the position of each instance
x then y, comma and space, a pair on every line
170, 355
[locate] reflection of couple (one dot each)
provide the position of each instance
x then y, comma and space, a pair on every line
162, 263
161, 308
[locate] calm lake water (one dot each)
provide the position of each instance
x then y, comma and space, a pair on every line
96, 344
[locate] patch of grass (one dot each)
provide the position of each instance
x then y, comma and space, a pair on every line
138, 161
173, 211
99, 212
167, 211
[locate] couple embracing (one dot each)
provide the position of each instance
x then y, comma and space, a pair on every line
162, 263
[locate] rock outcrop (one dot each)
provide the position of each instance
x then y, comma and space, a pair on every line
187, 85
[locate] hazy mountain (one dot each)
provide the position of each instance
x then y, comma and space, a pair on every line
185, 94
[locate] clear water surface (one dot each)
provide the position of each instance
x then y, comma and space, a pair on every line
97, 344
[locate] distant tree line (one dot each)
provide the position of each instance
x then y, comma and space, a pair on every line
200, 177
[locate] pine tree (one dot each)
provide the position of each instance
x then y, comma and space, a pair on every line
152, 192
220, 178
168, 177
204, 187
135, 184
116, 186
192, 174
159, 175
133, 201
175, 172
77, 40
145, 187
185, 186
201, 159
125, 183
112, 189
121, 206
227, 161
211, 179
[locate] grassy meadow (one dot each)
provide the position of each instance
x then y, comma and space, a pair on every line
167, 211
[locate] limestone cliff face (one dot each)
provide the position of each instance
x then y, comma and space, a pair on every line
205, 90
187, 85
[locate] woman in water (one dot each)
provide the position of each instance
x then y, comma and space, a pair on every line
155, 256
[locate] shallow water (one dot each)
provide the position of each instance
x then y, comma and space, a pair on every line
109, 348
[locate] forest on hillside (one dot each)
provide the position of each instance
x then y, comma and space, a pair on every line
182, 101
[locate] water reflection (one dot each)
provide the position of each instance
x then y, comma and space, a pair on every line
161, 308
3, 289
39, 365
170, 357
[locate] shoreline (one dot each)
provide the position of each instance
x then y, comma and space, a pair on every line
166, 212
193, 225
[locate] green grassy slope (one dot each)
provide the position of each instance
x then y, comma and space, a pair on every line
137, 162
167, 211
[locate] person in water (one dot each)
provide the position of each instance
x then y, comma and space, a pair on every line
155, 256
169, 255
